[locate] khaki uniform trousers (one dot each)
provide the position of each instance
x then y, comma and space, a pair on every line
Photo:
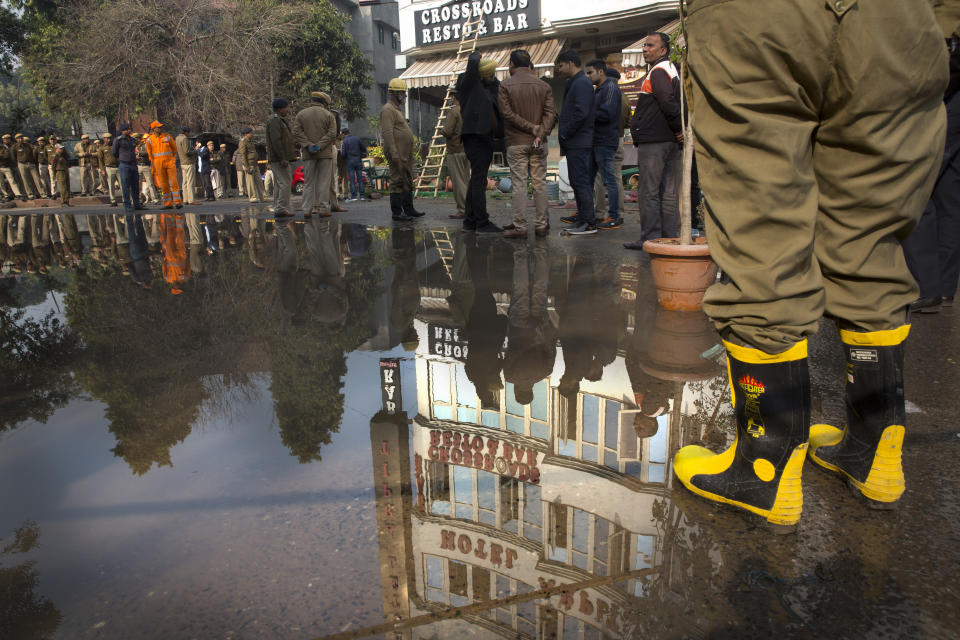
63, 186
31, 180
281, 189
113, 184
45, 184
316, 184
147, 187
459, 171
69, 233
241, 182
808, 199
189, 185
254, 185
52, 173
601, 206
87, 180
401, 175
525, 160
334, 176
10, 188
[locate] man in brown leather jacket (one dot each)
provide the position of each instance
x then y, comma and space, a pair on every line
526, 104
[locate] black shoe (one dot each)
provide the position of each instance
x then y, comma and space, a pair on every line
113, 204
469, 226
179, 206
488, 227
139, 207
401, 217
574, 219
408, 206
926, 305
636, 245
947, 301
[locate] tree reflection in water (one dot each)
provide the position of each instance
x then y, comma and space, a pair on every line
24, 614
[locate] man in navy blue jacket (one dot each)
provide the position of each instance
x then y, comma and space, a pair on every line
353, 151
606, 137
576, 140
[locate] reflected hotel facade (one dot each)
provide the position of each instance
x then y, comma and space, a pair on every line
506, 502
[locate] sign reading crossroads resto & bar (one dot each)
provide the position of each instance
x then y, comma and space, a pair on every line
446, 23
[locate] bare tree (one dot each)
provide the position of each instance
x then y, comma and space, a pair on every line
207, 63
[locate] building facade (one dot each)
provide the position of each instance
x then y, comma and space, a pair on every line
430, 32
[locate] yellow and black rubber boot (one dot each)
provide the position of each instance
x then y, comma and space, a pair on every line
868, 451
760, 472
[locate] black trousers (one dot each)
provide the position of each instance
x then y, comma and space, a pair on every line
479, 150
933, 248
207, 185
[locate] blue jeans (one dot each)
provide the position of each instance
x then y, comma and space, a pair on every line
355, 175
129, 185
581, 169
603, 157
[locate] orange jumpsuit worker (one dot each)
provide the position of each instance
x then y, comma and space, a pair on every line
162, 151
176, 268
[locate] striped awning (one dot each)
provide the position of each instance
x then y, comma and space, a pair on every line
440, 71
632, 55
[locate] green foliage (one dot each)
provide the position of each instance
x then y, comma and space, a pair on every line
25, 614
325, 58
35, 360
25, 111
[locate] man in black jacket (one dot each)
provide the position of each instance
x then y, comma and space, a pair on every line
576, 140
477, 88
657, 133
606, 137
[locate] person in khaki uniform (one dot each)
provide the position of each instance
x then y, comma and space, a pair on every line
281, 151
457, 166
148, 189
110, 166
26, 155
51, 148
43, 167
251, 167
87, 161
398, 148
188, 166
526, 104
99, 175
817, 148
61, 170
315, 129
8, 164
335, 167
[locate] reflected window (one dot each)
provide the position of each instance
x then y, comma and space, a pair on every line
481, 584
458, 578
440, 381
466, 392
509, 503
490, 419
557, 532
532, 513
541, 394
643, 556
591, 418
439, 479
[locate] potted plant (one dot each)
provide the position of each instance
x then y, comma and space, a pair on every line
682, 267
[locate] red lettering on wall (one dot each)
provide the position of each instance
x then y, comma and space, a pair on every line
448, 540
433, 452
566, 600
456, 456
447, 436
487, 462
495, 551
492, 446
586, 607
531, 458
463, 543
480, 553
511, 556
435, 437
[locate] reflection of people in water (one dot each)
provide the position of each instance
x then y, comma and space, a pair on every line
484, 328
405, 290
139, 251
317, 290
176, 269
532, 336
589, 326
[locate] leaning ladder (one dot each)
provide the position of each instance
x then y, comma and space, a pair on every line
433, 164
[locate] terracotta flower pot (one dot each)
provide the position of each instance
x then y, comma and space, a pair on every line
681, 272
678, 340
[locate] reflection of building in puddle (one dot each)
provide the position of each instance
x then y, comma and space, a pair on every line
511, 499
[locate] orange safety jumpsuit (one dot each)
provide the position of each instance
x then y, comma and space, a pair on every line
162, 151
176, 268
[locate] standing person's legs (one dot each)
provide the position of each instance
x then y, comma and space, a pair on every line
63, 186
651, 167
356, 182
189, 184
310, 176
670, 192
26, 175
207, 179
479, 150
44, 172
128, 182
604, 157
13, 189
538, 180
324, 176
581, 168
113, 184
281, 190
518, 158
459, 171
600, 208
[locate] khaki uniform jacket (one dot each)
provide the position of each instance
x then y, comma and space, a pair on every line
185, 150
60, 161
248, 154
106, 157
397, 136
315, 126
84, 152
25, 153
7, 159
280, 143
143, 158
525, 101
452, 127
43, 154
